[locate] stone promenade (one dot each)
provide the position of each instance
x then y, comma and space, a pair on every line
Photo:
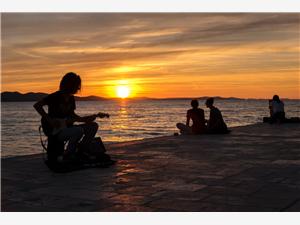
255, 168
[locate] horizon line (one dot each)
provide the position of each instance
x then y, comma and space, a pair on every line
144, 97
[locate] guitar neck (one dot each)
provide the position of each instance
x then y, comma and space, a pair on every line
100, 114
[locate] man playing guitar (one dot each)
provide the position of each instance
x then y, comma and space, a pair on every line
59, 120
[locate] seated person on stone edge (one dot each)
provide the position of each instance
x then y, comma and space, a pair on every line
61, 106
215, 124
197, 116
277, 110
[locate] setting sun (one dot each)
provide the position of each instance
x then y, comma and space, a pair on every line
153, 59
123, 91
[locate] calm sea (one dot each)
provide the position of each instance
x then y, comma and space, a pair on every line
130, 119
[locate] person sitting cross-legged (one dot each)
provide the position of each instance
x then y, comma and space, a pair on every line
197, 116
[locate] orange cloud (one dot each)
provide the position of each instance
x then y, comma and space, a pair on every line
160, 55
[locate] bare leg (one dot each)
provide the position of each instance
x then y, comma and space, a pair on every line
184, 129
72, 135
90, 130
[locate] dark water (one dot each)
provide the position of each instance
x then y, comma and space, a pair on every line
130, 119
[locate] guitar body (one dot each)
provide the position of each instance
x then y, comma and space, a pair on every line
51, 131
47, 128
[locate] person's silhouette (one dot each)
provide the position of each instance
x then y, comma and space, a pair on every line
59, 121
197, 116
277, 110
215, 124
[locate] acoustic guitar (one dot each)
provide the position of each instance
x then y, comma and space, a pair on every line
62, 123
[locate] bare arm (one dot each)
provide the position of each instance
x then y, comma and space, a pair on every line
188, 118
39, 108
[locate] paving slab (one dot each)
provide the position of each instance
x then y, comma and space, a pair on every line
254, 168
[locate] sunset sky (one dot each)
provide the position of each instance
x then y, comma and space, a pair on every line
154, 55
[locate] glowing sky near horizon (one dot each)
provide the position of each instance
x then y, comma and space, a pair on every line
163, 55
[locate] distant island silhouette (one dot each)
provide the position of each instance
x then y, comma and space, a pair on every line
32, 96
